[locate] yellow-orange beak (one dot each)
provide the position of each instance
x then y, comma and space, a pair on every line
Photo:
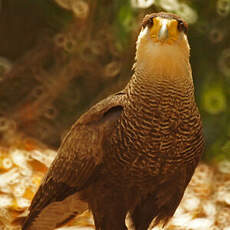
164, 30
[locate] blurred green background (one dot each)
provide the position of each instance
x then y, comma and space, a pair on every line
58, 57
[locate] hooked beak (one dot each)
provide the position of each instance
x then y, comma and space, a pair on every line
164, 30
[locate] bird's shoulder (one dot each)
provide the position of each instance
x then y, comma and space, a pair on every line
97, 111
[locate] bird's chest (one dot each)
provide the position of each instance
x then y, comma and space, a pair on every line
152, 141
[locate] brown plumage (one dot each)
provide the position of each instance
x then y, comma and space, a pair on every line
136, 150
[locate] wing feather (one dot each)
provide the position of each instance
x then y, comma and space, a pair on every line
76, 164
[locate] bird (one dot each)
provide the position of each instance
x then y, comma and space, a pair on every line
134, 152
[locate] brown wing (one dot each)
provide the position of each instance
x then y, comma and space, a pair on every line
76, 165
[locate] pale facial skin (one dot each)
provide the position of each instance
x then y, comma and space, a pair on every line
162, 48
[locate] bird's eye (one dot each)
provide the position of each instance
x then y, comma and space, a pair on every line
182, 27
148, 22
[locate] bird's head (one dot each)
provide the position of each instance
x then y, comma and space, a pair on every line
162, 45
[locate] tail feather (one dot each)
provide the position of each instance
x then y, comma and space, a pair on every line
55, 214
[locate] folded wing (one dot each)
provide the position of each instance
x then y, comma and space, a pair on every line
76, 166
